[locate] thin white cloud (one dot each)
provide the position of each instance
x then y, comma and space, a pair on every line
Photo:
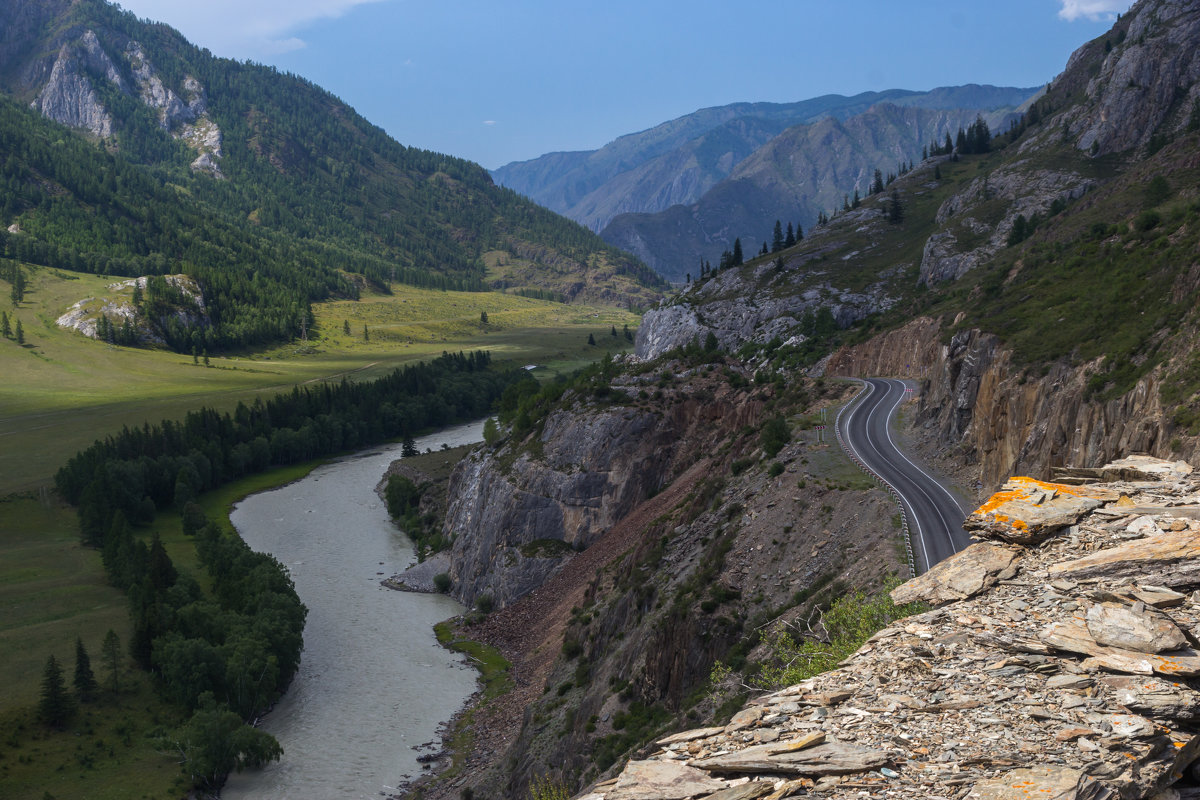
243, 28
1094, 10
489, 122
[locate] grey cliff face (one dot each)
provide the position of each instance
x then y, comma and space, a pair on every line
515, 526
1025, 193
1138, 85
69, 97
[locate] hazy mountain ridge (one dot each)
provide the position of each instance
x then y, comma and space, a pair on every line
797, 174
591, 187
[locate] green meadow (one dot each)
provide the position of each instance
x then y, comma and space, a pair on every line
61, 390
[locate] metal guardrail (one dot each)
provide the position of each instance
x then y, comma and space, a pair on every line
895, 495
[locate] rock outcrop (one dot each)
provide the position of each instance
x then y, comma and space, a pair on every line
517, 513
69, 96
1148, 79
1072, 677
84, 315
975, 402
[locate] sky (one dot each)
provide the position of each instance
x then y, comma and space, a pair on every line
508, 81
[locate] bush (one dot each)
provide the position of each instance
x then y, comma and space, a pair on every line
1147, 220
776, 470
774, 434
740, 465
442, 582
485, 603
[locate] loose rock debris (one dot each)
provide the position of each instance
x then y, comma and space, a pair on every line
1060, 662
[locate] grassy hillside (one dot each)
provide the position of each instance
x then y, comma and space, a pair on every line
308, 200
62, 389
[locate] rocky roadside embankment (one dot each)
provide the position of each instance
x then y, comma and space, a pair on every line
1060, 662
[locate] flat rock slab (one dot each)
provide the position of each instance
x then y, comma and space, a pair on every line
662, 780
690, 736
1052, 783
962, 575
1074, 638
1155, 697
1026, 511
1168, 559
1145, 630
827, 758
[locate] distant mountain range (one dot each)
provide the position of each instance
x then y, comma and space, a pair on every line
685, 189
269, 191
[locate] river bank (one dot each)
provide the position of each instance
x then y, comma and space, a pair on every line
374, 685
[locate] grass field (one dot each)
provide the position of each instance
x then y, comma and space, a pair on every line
62, 390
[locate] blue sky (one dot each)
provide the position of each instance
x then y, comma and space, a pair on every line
505, 81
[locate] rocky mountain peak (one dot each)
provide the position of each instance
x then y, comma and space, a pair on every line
68, 95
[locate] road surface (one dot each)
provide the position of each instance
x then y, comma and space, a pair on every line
934, 515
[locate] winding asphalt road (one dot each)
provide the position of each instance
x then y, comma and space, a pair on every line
935, 516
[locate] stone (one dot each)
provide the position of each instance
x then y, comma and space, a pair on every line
1140, 629
1167, 559
1027, 511
1059, 783
689, 736
1155, 697
958, 577
826, 758
1074, 637
662, 780
750, 790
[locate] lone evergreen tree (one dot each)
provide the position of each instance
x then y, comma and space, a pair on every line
366, 334
483, 317
591, 340
110, 651
54, 707
777, 240
346, 327
614, 331
20, 333
895, 210
85, 679
736, 261
790, 239
409, 448
5, 325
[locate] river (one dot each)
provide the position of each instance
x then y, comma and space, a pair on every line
373, 682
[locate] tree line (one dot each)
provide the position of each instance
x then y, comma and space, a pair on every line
225, 654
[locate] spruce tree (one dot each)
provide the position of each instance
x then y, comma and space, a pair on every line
790, 239
54, 707
895, 211
777, 240
366, 334
346, 327
110, 651
5, 325
85, 680
591, 340
20, 333
738, 258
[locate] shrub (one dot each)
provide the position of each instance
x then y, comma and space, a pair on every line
485, 604
1147, 220
442, 582
776, 470
774, 434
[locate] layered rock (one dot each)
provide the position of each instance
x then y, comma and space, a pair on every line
68, 95
1071, 678
517, 513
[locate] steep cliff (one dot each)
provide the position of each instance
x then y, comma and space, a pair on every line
1060, 667
699, 529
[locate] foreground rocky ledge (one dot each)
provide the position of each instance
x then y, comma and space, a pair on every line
1059, 663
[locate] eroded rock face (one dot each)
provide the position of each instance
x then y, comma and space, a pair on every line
69, 97
517, 513
1010, 693
1025, 192
1141, 80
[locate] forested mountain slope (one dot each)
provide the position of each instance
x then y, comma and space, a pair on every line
268, 190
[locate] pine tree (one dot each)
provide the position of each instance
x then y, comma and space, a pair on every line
85, 680
20, 333
877, 183
614, 331
110, 651
483, 317
346, 327
366, 334
790, 239
895, 211
800, 232
591, 340
5, 325
54, 707
777, 240
857, 201
737, 259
